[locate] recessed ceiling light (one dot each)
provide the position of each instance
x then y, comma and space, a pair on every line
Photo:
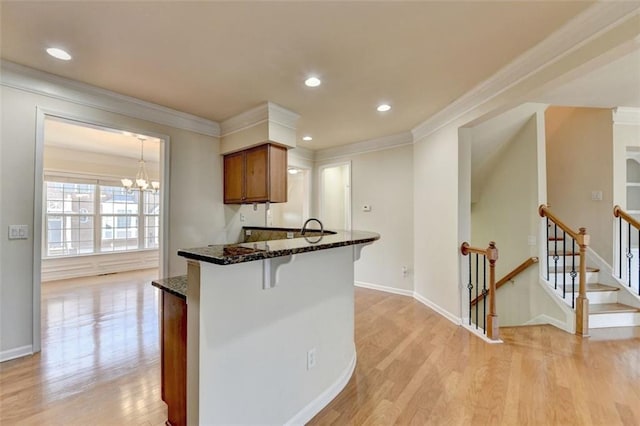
307, 138
58, 53
384, 107
313, 82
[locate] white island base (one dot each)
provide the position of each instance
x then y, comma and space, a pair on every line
249, 346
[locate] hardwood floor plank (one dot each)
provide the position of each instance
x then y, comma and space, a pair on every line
100, 366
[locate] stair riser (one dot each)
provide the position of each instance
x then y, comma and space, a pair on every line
602, 297
561, 246
592, 278
564, 261
616, 319
594, 296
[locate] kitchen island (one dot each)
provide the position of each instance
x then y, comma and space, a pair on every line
270, 327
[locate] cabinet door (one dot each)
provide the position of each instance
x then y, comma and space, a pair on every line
277, 174
234, 178
257, 176
174, 358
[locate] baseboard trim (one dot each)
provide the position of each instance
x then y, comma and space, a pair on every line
322, 400
392, 290
546, 319
429, 304
16, 353
478, 333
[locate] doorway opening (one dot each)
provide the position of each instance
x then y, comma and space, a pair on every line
335, 196
87, 222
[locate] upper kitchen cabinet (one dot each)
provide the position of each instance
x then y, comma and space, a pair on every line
256, 175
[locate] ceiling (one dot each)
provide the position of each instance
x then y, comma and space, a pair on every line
218, 59
76, 136
614, 84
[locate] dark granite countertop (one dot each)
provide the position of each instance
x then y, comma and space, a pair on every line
174, 285
228, 254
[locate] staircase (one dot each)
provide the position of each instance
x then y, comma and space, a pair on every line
604, 308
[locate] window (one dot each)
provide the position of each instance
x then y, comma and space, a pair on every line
97, 217
69, 219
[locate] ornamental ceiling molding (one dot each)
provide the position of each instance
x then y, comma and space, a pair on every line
42, 83
267, 111
626, 116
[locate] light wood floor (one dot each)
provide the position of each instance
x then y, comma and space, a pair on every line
100, 359
100, 366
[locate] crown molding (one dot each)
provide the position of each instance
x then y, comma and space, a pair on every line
42, 83
282, 116
626, 115
267, 111
303, 153
597, 19
378, 144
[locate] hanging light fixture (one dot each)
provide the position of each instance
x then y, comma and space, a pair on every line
141, 181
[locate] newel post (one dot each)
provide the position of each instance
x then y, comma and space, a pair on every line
582, 303
493, 331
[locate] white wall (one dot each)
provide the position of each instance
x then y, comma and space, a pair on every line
579, 161
436, 242
384, 180
93, 163
625, 135
196, 210
253, 352
507, 214
294, 212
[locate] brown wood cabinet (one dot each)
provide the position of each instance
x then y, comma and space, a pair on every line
256, 175
174, 358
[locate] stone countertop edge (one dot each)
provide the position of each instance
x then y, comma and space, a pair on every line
174, 285
229, 254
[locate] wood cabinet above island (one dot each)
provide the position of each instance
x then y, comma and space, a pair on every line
256, 175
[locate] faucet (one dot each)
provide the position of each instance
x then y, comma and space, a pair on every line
311, 219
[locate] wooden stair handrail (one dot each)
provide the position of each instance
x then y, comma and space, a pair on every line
465, 249
544, 211
618, 212
582, 238
491, 254
511, 275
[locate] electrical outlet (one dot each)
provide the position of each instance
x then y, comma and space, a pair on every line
242, 218
596, 195
289, 234
405, 271
311, 358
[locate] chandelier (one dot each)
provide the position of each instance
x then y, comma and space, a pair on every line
141, 181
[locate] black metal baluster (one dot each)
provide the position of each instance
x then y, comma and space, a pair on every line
484, 295
470, 287
555, 255
629, 254
477, 285
564, 264
620, 244
547, 248
638, 263
573, 273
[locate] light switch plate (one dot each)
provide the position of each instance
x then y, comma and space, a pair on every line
18, 232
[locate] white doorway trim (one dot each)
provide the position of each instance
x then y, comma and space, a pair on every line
41, 115
347, 200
